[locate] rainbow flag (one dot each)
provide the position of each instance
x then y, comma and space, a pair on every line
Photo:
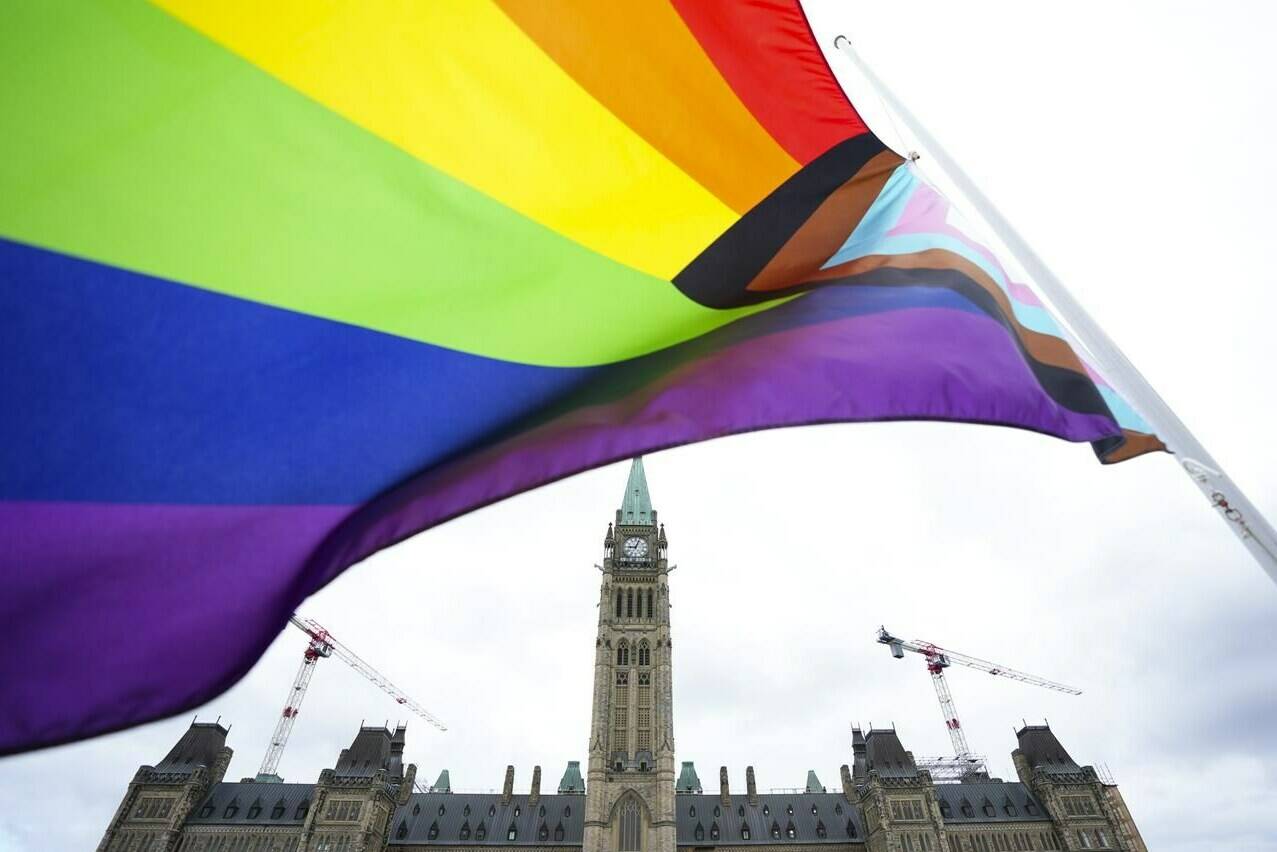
282, 284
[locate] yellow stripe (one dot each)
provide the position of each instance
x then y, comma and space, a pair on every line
456, 84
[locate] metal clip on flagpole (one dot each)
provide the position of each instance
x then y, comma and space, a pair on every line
1227, 499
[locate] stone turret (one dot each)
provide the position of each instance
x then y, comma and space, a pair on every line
751, 789
724, 791
535, 795
507, 791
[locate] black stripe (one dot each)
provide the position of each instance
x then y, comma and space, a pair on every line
717, 278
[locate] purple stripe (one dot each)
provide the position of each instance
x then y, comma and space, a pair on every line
915, 364
118, 614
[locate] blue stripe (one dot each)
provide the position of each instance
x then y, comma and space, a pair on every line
121, 387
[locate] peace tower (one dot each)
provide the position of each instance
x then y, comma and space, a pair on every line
630, 783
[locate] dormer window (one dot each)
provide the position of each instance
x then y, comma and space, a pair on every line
434, 830
851, 828
789, 809
713, 831
558, 831
465, 830
207, 810
744, 832
820, 829
254, 810
946, 810
492, 810
766, 811
813, 808
699, 832
988, 809
838, 809
481, 832
302, 809
278, 811
230, 811
775, 831
402, 831
790, 831
543, 833
516, 811
1030, 809
442, 810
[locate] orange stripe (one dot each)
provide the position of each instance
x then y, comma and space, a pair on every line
641, 62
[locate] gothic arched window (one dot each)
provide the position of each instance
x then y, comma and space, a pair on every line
623, 654
630, 839
649, 603
629, 603
618, 603
644, 654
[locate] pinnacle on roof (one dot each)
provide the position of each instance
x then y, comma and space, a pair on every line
636, 506
443, 785
813, 783
572, 781
688, 781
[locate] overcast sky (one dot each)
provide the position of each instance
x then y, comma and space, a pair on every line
1130, 144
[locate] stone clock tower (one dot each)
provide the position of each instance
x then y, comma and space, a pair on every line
630, 785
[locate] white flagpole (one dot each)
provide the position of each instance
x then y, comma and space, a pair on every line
1233, 506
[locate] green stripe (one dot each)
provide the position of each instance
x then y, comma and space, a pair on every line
132, 140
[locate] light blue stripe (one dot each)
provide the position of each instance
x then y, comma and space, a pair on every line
870, 238
1127, 417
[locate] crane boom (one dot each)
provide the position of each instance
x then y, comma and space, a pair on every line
377, 678
322, 644
938, 659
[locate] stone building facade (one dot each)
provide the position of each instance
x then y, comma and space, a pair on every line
629, 798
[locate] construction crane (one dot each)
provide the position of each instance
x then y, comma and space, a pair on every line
321, 645
938, 659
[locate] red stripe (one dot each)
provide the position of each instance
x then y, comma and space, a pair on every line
766, 52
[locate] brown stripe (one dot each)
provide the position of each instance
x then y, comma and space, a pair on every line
827, 228
1136, 444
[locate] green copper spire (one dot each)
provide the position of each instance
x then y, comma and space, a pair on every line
813, 783
443, 785
636, 507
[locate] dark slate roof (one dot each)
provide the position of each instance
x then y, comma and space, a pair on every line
411, 822
1044, 751
373, 749
705, 810
197, 747
572, 782
246, 796
1010, 801
886, 755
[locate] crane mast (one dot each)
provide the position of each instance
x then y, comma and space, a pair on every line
321, 644
938, 659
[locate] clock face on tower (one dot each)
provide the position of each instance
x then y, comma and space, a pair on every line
636, 548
